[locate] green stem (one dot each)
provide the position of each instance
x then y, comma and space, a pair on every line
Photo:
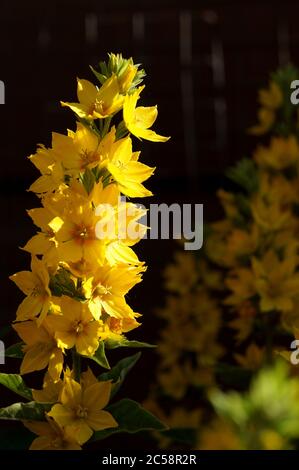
76, 365
106, 126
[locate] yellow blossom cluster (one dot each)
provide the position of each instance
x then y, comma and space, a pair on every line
82, 261
240, 295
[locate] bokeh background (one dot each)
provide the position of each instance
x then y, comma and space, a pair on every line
205, 61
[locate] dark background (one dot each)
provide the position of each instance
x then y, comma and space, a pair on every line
204, 64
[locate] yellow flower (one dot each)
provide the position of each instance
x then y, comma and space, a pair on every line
271, 206
50, 391
244, 323
75, 327
183, 274
220, 435
253, 357
126, 170
80, 410
266, 119
43, 241
52, 174
106, 290
282, 153
241, 243
40, 348
76, 237
241, 282
79, 150
51, 436
272, 97
35, 284
126, 78
139, 120
97, 102
276, 281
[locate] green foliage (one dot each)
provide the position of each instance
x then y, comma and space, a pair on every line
271, 403
119, 372
100, 357
63, 284
117, 65
125, 343
131, 418
15, 351
15, 383
244, 174
88, 180
31, 411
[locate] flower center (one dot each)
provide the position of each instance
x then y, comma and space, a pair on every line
88, 157
78, 327
81, 412
83, 233
101, 290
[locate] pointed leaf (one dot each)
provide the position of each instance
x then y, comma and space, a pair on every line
15, 383
100, 357
15, 351
131, 418
31, 411
125, 343
118, 373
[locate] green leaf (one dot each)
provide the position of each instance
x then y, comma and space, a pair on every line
245, 175
31, 411
88, 180
100, 357
15, 383
182, 435
131, 418
18, 438
15, 351
125, 343
99, 75
118, 373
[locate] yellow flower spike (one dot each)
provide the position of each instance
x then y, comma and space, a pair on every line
139, 120
83, 265
80, 410
76, 327
97, 102
35, 285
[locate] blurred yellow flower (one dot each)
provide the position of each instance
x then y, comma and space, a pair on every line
282, 153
